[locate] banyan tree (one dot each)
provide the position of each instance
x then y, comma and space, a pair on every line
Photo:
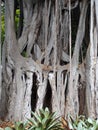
50, 59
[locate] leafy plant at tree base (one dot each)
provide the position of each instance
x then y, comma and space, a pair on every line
82, 123
17, 126
44, 120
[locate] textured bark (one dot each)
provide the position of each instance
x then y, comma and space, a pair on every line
73, 104
0, 54
92, 99
53, 60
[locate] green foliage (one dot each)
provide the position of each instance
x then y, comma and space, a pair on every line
20, 126
24, 54
17, 126
81, 123
17, 18
44, 120
8, 128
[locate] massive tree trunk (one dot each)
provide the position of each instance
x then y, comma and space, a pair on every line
92, 63
50, 60
0, 53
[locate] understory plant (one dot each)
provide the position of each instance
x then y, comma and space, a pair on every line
17, 126
83, 123
44, 120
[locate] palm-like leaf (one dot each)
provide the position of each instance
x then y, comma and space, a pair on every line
82, 123
44, 120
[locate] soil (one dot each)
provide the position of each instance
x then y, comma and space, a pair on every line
4, 124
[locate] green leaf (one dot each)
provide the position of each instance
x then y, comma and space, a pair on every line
44, 120
37, 117
8, 128
32, 121
90, 120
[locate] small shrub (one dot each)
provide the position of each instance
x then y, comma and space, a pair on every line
44, 120
82, 123
17, 126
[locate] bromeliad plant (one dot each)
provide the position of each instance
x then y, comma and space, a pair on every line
82, 123
44, 120
17, 126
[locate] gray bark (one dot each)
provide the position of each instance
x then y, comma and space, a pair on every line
0, 54
92, 99
45, 39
